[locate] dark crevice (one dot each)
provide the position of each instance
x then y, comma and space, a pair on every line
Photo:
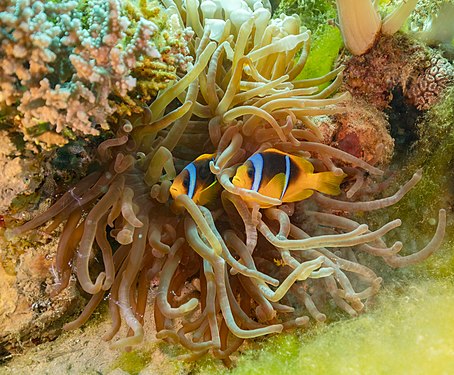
402, 118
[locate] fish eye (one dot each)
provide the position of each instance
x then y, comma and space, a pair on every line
186, 183
250, 172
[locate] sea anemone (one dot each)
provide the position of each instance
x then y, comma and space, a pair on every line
227, 271
361, 24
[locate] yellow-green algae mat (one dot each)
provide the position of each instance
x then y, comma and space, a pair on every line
410, 330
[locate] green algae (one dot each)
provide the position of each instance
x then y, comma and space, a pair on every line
314, 14
407, 331
144, 361
132, 362
326, 39
326, 44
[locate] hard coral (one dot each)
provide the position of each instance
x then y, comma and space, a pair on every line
150, 74
431, 21
71, 58
246, 271
399, 62
430, 84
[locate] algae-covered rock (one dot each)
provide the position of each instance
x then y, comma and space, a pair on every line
434, 154
361, 130
409, 331
29, 315
398, 63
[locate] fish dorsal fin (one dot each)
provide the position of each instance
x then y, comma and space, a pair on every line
209, 194
275, 150
274, 187
302, 163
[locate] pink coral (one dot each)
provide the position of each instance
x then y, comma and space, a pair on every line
428, 86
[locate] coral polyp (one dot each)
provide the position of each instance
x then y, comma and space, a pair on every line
245, 264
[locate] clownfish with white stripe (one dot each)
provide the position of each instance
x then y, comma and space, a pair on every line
197, 181
283, 176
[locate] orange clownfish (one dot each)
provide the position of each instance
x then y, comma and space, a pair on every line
197, 181
286, 177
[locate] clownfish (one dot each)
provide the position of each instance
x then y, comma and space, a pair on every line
197, 181
286, 177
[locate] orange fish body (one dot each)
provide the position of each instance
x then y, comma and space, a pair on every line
197, 181
286, 177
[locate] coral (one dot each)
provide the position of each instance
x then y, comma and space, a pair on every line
150, 74
373, 76
430, 84
27, 38
398, 62
440, 32
231, 270
70, 59
434, 25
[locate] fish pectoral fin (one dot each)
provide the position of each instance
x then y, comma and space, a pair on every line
274, 187
297, 195
326, 182
208, 194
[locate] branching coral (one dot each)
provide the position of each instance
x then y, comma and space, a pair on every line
61, 63
246, 271
152, 75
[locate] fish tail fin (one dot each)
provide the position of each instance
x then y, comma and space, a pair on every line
325, 182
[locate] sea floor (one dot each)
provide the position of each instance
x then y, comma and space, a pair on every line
407, 330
